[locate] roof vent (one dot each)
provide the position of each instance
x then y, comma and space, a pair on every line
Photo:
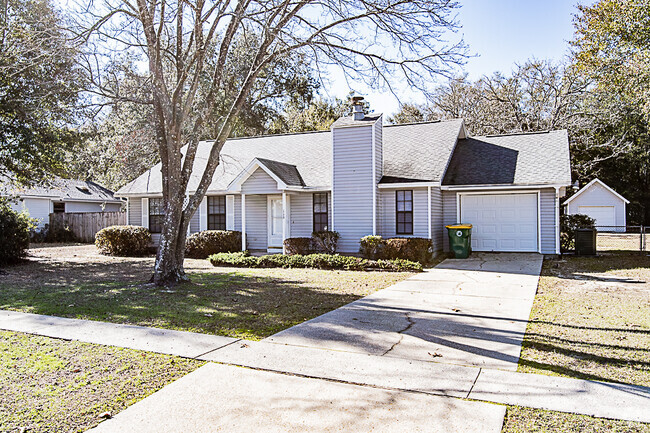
84, 189
357, 108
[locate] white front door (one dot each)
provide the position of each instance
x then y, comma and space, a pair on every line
501, 222
274, 213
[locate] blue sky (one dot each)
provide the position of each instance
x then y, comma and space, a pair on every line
501, 33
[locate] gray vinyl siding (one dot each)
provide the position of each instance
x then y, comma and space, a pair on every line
256, 222
135, 211
195, 222
548, 220
260, 183
437, 225
379, 151
301, 210
387, 225
238, 212
352, 185
449, 210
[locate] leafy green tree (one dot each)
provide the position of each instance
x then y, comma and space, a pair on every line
39, 90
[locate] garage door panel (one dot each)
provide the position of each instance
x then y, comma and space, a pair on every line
502, 222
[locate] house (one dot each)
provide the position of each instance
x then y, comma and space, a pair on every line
362, 177
60, 195
601, 203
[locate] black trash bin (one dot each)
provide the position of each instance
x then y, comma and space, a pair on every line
585, 242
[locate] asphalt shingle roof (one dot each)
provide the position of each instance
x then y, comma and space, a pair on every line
288, 173
522, 159
61, 189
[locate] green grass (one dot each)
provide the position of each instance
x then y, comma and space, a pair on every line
55, 385
243, 303
526, 420
591, 320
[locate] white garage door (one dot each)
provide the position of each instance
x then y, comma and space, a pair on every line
502, 222
604, 215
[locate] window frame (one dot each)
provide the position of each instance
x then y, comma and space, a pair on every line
218, 215
320, 213
156, 227
404, 212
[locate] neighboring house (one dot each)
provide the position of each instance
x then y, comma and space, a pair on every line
363, 178
60, 195
600, 202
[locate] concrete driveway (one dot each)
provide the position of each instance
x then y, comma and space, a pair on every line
470, 312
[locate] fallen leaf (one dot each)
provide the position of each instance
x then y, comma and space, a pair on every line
105, 415
434, 354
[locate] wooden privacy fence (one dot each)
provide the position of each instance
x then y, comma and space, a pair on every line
85, 225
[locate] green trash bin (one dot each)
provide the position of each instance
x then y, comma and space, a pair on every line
460, 240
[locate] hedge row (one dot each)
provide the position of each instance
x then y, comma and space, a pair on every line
203, 244
320, 242
317, 261
126, 241
413, 249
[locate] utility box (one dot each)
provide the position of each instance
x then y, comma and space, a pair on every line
585, 242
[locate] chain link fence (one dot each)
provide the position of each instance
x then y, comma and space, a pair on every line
622, 238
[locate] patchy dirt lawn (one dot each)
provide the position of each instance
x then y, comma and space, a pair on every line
591, 320
76, 281
50, 385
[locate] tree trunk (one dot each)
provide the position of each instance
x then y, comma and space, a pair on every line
168, 269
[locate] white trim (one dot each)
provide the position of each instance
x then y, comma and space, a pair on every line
399, 185
230, 212
145, 212
203, 214
243, 222
557, 220
285, 220
587, 186
429, 210
453, 149
332, 189
269, 222
236, 184
498, 187
459, 196
189, 223
127, 212
374, 182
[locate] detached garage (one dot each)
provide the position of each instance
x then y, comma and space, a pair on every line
601, 203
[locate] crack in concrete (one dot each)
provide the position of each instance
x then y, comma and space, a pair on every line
411, 322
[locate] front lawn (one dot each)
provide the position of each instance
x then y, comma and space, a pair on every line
591, 320
77, 282
527, 420
51, 385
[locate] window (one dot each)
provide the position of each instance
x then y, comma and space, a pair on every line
156, 213
404, 207
217, 212
320, 212
58, 207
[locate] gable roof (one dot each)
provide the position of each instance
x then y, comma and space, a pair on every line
515, 159
288, 173
589, 185
60, 189
310, 153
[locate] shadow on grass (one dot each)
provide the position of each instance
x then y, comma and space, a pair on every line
574, 267
222, 303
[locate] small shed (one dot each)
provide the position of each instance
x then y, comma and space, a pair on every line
600, 202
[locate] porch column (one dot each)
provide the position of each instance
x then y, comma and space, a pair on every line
284, 220
243, 222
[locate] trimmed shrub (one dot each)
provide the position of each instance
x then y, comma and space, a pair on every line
372, 247
14, 233
326, 241
413, 249
203, 244
568, 226
126, 241
299, 245
58, 233
317, 261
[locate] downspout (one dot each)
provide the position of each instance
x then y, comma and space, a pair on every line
557, 220
429, 208
374, 184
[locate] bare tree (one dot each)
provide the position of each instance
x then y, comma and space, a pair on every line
371, 40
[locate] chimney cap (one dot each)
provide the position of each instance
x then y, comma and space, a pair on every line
357, 100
